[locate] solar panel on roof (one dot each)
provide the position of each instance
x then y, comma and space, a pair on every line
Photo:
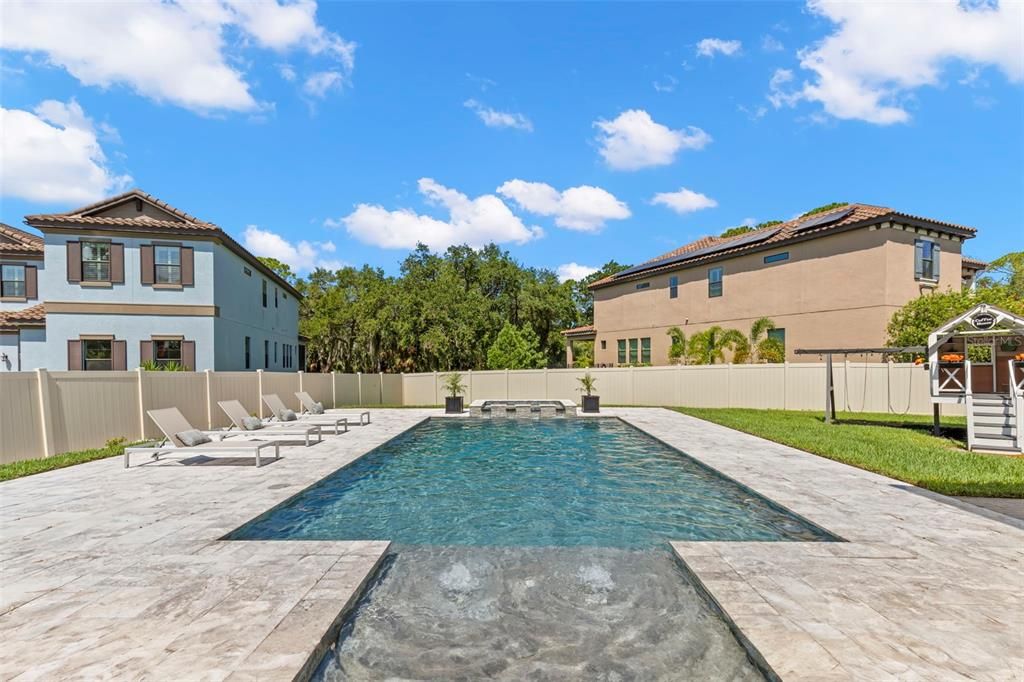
752, 238
823, 219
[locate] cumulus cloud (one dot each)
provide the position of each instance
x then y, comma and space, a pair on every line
302, 256
476, 222
866, 67
574, 271
584, 208
770, 43
53, 154
684, 201
709, 47
322, 82
668, 84
169, 51
493, 118
634, 140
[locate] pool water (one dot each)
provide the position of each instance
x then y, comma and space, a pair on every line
534, 549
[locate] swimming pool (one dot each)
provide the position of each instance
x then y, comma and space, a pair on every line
531, 550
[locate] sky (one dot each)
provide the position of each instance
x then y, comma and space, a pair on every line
570, 134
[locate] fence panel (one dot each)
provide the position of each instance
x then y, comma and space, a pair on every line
655, 386
241, 386
525, 384
418, 389
488, 385
89, 408
183, 390
391, 389
318, 386
346, 389
704, 386
757, 386
805, 386
284, 384
21, 433
563, 385
369, 389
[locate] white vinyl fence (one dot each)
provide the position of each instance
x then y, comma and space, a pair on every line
45, 413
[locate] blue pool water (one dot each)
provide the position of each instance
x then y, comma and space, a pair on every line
531, 483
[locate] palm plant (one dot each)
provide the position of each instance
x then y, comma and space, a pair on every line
709, 346
758, 335
453, 384
677, 351
587, 382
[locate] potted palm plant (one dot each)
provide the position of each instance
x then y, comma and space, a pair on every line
591, 402
453, 402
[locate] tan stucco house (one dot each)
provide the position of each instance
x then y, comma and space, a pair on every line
831, 279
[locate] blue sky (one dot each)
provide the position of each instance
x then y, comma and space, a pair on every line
569, 133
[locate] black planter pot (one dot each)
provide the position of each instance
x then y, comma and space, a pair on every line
591, 403
453, 404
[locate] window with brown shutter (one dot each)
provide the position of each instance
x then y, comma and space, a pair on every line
31, 282
74, 355
120, 355
146, 269
145, 352
74, 257
187, 266
117, 263
188, 355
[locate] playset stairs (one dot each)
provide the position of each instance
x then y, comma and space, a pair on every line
992, 423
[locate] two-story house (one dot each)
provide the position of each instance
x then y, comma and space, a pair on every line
827, 280
131, 280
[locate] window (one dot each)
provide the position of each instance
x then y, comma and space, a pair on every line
926, 259
275, 352
248, 344
276, 293
622, 351
779, 335
645, 350
634, 351
714, 282
166, 351
264, 293
266, 354
168, 264
98, 354
777, 257
247, 271
643, 285
13, 281
673, 287
604, 344
287, 357
95, 262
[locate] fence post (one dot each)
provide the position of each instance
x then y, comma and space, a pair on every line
785, 385
142, 406
402, 384
381, 388
728, 385
301, 387
679, 385
508, 392
45, 413
632, 386
434, 398
334, 390
259, 390
546, 396
209, 401
469, 386
359, 387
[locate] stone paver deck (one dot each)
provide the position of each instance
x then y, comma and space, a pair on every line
110, 573
118, 574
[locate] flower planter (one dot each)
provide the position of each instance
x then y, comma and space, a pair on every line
453, 404
591, 403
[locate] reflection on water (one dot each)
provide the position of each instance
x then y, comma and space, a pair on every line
563, 613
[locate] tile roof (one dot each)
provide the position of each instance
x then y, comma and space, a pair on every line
585, 329
860, 214
13, 240
33, 316
972, 263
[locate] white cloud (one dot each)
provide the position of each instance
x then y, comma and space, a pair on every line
770, 43
779, 93
582, 208
53, 155
574, 271
301, 256
668, 84
287, 72
322, 82
493, 118
634, 140
684, 201
476, 222
168, 51
867, 66
709, 46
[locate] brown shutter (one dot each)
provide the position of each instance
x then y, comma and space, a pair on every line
188, 266
188, 355
31, 282
74, 355
145, 351
146, 269
74, 252
120, 355
117, 263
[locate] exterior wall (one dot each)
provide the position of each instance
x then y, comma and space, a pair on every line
24, 349
61, 327
837, 291
239, 298
9, 305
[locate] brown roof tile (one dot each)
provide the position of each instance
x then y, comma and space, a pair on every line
26, 317
973, 263
15, 241
585, 329
865, 214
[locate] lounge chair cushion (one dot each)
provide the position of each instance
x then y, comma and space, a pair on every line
288, 415
192, 437
251, 423
316, 408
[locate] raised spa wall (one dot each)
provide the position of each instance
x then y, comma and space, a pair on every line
522, 409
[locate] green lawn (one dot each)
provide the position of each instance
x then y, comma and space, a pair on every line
37, 466
899, 446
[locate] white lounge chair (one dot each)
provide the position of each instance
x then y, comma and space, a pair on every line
172, 422
307, 405
277, 407
237, 414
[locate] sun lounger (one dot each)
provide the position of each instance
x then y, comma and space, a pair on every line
172, 422
277, 407
307, 405
237, 414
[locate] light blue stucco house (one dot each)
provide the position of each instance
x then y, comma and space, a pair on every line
132, 279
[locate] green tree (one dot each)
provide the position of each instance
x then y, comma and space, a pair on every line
515, 348
582, 295
738, 230
676, 351
771, 350
758, 334
583, 354
911, 324
1007, 270
708, 347
825, 208
280, 268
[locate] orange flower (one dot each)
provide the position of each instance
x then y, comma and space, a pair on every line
952, 357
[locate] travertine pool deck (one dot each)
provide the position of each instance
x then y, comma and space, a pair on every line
120, 574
